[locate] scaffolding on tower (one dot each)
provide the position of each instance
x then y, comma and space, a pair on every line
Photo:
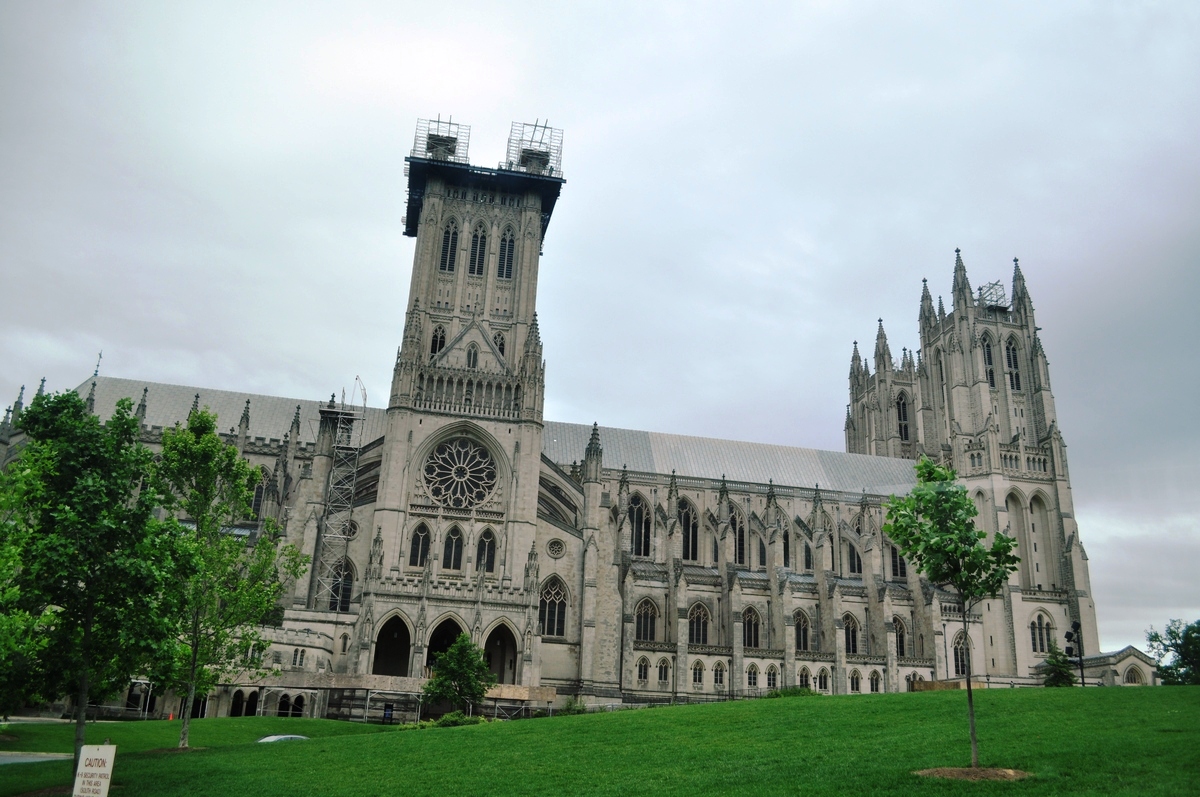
334, 574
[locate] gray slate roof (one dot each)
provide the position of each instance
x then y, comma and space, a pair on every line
563, 443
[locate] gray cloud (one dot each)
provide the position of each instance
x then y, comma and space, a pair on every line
212, 195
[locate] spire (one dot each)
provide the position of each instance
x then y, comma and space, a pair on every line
535, 334
19, 404
41, 391
91, 397
672, 496
195, 405
723, 503
883, 354
245, 415
1021, 302
855, 362
927, 315
941, 310
593, 457
962, 286
296, 424
412, 330
140, 412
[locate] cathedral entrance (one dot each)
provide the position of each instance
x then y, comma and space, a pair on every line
443, 637
501, 654
392, 649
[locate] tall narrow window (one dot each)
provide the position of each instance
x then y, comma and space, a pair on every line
438, 341
644, 618
802, 629
808, 557
504, 263
449, 247
1039, 633
787, 550
698, 674
901, 647
698, 625
875, 682
804, 679
739, 532
899, 566
418, 552
987, 362
718, 674
552, 611
750, 627
902, 416
472, 356
762, 553
485, 558
752, 677
823, 680
1013, 361
478, 252
342, 578
639, 525
452, 552
850, 626
853, 560
855, 681
664, 672
643, 670
961, 652
498, 341
689, 526
772, 677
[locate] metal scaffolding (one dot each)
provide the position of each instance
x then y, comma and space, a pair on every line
991, 294
442, 140
534, 148
334, 577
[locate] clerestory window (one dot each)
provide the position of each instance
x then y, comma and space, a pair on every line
1013, 361
504, 263
449, 247
478, 252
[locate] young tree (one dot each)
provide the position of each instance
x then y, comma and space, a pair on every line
234, 583
91, 549
1059, 670
934, 530
20, 636
1182, 643
460, 675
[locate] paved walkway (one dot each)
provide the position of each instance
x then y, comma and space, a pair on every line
30, 758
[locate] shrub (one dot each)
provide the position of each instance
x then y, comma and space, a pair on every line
791, 691
572, 706
456, 718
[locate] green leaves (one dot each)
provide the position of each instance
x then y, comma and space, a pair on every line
460, 675
1182, 643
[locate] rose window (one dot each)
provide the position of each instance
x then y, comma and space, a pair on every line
460, 474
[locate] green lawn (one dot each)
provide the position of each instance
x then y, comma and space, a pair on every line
1096, 741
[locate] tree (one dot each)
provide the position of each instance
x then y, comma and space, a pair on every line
233, 583
91, 549
460, 675
1059, 670
20, 630
1182, 643
933, 528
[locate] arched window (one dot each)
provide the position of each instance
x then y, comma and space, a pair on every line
802, 630
1040, 634
961, 652
664, 672
772, 677
644, 617
1133, 676
899, 566
752, 676
298, 706
689, 526
855, 681
449, 247
920, 646
498, 342
698, 625
750, 625
718, 674
472, 356
787, 550
438, 341
485, 553
901, 648
762, 552
643, 670
504, 264
418, 552
452, 551
478, 252
552, 611
823, 680
853, 560
301, 657
341, 579
875, 682
850, 628
285, 706
1013, 360
295, 656
987, 361
804, 679
808, 557
698, 674
739, 534
235, 710
639, 525
902, 416
345, 643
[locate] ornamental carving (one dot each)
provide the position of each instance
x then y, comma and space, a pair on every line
460, 474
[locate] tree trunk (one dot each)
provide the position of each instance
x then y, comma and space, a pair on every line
186, 714
970, 694
81, 701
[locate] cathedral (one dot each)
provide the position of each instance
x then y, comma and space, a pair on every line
624, 566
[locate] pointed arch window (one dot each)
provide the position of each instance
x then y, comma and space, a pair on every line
478, 252
1040, 634
639, 525
762, 552
438, 341
739, 533
901, 642
899, 566
823, 680
449, 247
664, 672
698, 625
504, 263
719, 674
853, 560
850, 630
341, 586
875, 682
987, 362
855, 681
485, 552
1012, 359
418, 551
552, 610
808, 557
643, 670
750, 628
902, 416
787, 550
802, 631
689, 526
472, 356
644, 619
698, 674
772, 677
452, 551
498, 342
752, 676
961, 652
804, 679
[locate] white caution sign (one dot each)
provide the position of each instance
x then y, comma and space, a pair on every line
95, 770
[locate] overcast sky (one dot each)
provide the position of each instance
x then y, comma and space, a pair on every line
211, 194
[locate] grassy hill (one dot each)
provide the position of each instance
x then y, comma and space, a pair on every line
1094, 741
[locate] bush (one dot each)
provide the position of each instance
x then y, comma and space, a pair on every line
791, 691
1059, 671
572, 706
456, 718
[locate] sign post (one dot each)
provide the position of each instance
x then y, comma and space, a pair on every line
94, 775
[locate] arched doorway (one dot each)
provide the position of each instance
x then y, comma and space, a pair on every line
501, 654
239, 701
392, 649
298, 706
284, 708
252, 704
443, 637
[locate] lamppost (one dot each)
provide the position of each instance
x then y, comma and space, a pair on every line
1075, 637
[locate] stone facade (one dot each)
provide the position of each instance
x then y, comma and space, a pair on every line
617, 565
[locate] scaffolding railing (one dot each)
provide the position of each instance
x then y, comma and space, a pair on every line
442, 140
334, 576
534, 148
